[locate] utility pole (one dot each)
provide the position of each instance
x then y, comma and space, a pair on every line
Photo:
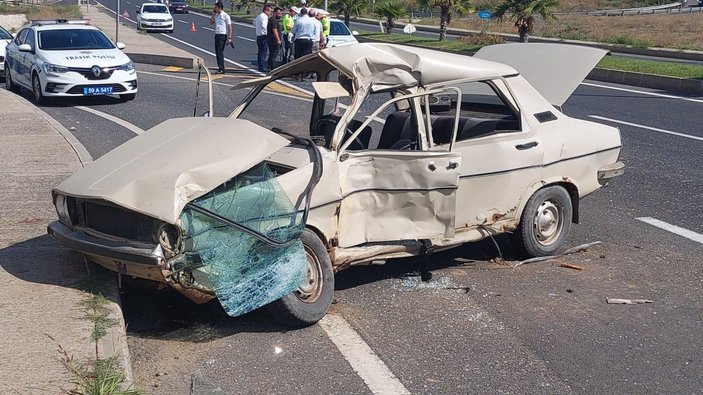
117, 22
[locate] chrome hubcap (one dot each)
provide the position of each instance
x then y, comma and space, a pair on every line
548, 222
311, 289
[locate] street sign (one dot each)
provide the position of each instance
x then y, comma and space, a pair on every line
409, 29
485, 14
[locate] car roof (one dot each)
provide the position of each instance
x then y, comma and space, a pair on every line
381, 64
61, 26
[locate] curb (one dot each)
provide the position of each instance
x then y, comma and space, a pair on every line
163, 60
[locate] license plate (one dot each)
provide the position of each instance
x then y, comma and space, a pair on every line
97, 90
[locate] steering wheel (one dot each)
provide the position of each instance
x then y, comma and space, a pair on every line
326, 126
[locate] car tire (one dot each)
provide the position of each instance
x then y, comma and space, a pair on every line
306, 306
37, 90
9, 84
170, 31
545, 222
128, 97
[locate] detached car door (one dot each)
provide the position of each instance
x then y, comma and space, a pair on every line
397, 190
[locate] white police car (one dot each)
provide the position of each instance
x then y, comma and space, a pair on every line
154, 16
5, 38
68, 58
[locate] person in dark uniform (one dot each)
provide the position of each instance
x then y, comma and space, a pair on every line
273, 35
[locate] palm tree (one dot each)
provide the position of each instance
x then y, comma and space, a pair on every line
348, 7
391, 10
444, 6
523, 10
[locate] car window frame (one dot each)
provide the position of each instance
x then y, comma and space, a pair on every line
19, 39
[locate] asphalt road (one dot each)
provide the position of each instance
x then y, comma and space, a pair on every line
478, 326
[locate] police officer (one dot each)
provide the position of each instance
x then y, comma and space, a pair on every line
287, 25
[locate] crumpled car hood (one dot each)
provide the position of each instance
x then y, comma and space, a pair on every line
158, 172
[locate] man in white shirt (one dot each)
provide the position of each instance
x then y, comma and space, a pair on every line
260, 27
223, 34
318, 31
304, 31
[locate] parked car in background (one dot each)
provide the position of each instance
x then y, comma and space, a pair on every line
381, 151
68, 58
5, 38
154, 16
177, 6
340, 34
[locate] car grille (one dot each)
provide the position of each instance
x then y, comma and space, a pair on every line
112, 220
78, 89
88, 73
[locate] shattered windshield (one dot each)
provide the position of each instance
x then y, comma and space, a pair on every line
246, 233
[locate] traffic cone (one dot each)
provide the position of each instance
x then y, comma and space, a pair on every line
192, 27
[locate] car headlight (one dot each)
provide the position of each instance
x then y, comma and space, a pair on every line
129, 66
54, 69
61, 203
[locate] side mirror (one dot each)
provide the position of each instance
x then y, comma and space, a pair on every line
139, 12
120, 45
355, 33
25, 48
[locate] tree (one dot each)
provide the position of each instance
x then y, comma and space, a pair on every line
462, 6
523, 10
391, 10
348, 7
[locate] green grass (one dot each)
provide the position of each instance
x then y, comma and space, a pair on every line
679, 70
609, 62
43, 12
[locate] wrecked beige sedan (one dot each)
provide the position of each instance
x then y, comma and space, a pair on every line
345, 156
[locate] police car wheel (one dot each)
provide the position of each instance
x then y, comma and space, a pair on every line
36, 89
128, 97
9, 84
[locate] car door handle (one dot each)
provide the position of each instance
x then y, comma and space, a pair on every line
452, 165
529, 145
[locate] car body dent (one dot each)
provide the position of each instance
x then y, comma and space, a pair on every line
143, 175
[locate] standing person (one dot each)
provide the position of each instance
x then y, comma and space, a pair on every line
273, 35
325, 27
288, 23
318, 30
223, 34
260, 25
303, 33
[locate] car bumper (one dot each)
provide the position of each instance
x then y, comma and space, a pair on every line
142, 262
74, 84
609, 172
157, 25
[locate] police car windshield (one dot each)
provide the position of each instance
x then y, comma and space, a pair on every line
67, 39
156, 9
339, 29
5, 35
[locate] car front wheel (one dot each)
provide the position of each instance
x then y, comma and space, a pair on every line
545, 223
36, 89
9, 84
310, 302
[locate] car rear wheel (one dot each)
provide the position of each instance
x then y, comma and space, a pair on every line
37, 90
311, 301
9, 84
545, 223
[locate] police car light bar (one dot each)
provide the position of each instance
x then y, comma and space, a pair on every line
41, 22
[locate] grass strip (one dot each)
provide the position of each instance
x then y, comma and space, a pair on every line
670, 69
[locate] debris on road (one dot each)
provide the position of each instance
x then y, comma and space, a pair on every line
571, 266
573, 250
627, 301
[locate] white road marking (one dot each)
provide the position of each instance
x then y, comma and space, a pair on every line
121, 122
688, 136
182, 21
246, 38
689, 234
207, 28
361, 357
643, 93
